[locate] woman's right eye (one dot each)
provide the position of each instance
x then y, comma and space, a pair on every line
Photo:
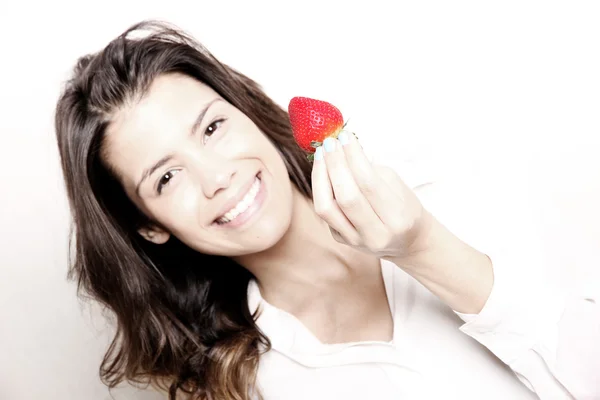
165, 180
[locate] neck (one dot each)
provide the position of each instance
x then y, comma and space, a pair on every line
307, 260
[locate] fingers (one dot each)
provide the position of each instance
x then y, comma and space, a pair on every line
369, 180
348, 195
362, 203
326, 206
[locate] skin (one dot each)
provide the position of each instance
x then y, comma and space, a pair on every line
286, 248
317, 259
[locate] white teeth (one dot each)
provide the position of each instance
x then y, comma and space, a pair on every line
243, 204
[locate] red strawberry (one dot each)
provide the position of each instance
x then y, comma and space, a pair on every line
313, 121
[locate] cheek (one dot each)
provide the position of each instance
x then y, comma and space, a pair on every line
181, 212
190, 201
271, 156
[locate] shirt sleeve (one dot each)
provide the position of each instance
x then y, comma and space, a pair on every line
549, 338
539, 319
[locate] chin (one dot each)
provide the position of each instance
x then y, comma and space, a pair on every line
267, 234
262, 236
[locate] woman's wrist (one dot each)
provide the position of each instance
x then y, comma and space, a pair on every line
458, 274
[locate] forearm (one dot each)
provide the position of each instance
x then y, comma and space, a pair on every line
458, 274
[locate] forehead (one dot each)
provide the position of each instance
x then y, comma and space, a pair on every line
169, 100
142, 131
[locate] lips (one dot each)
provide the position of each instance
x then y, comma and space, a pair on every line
238, 203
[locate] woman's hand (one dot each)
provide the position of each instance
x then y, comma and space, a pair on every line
366, 206
369, 207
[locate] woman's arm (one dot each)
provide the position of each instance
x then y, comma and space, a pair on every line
458, 274
490, 270
487, 265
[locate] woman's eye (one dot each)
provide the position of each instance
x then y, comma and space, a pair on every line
165, 179
213, 127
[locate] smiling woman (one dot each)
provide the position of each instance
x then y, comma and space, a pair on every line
238, 270
168, 155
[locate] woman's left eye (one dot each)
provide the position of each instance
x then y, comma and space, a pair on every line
213, 127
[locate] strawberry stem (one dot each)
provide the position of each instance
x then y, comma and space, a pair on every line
311, 157
314, 144
344, 126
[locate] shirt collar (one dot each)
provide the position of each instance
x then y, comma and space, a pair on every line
289, 337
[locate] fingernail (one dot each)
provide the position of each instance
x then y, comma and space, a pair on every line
329, 144
343, 138
319, 153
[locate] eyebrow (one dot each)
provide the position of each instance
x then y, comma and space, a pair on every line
149, 171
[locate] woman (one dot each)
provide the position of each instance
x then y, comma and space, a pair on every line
238, 270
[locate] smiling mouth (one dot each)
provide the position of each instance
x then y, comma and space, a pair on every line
243, 205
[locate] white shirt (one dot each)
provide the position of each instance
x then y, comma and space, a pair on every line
532, 338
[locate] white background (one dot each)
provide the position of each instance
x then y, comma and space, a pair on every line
516, 79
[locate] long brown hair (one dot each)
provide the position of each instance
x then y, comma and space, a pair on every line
182, 317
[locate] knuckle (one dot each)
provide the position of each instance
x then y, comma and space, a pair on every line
354, 241
398, 226
378, 244
349, 200
323, 209
366, 185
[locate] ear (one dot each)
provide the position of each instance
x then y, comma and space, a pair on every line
154, 234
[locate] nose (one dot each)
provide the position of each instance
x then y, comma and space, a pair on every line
213, 174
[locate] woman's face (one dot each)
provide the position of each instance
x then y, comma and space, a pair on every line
200, 169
